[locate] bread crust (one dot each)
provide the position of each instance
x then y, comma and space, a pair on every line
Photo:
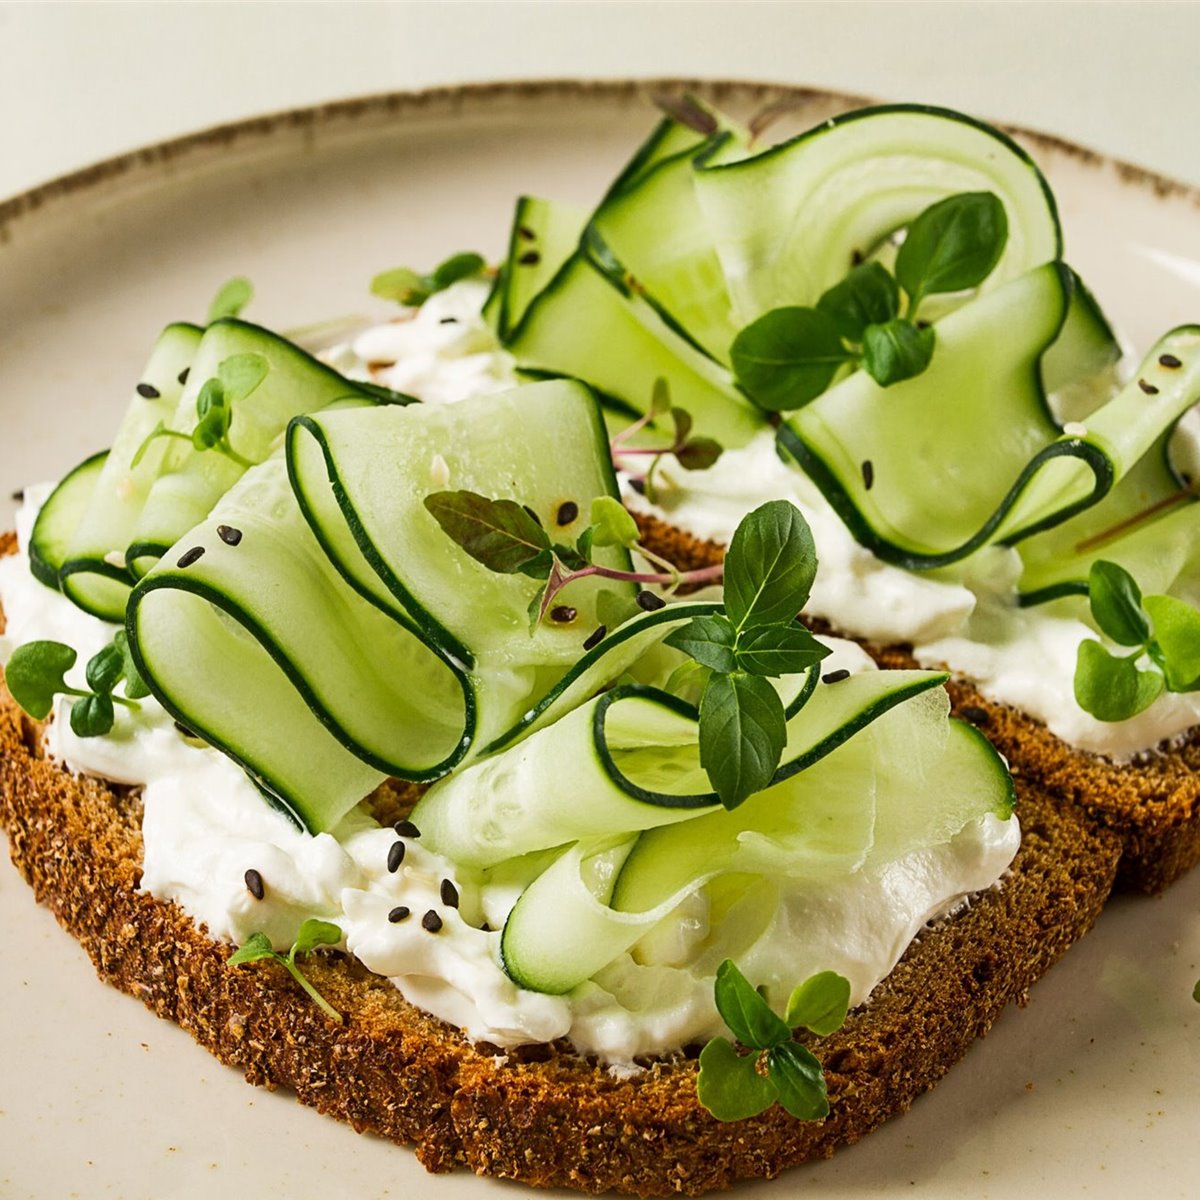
1151, 803
542, 1115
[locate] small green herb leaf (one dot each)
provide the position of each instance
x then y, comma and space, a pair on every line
699, 453
240, 375
660, 398
406, 287
1112, 688
729, 1084
896, 351
92, 716
234, 295
1116, 603
820, 1003
500, 534
1177, 632
788, 357
311, 934
105, 668
315, 933
35, 675
799, 1081
776, 650
611, 523
136, 687
742, 735
256, 946
952, 245
708, 640
457, 267
683, 425
770, 566
748, 1015
867, 296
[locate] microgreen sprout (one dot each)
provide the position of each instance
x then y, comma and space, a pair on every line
237, 377
692, 453
234, 295
36, 673
731, 1086
312, 933
789, 356
411, 289
1161, 633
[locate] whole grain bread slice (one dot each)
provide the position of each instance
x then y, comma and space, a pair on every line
543, 1114
1152, 802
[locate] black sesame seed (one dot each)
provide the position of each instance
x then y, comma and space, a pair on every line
1148, 388
431, 921
527, 233
868, 474
449, 894
649, 602
921, 324
406, 829
229, 535
856, 257
190, 556
568, 510
638, 485
536, 519
396, 854
1169, 360
974, 714
530, 258
254, 884
183, 730
183, 375
19, 495
448, 321
595, 637
564, 614
835, 676
148, 391
484, 927
400, 913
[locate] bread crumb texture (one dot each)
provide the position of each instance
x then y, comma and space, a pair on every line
542, 1114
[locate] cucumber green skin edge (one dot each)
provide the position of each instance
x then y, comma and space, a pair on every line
45, 563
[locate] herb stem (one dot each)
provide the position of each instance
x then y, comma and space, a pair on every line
320, 1000
132, 705
234, 456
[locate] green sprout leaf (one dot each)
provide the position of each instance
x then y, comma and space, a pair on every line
240, 375
234, 295
743, 731
407, 287
1112, 688
896, 351
788, 357
867, 296
770, 566
136, 687
500, 534
1116, 604
1177, 632
699, 453
709, 641
35, 675
104, 669
820, 1003
256, 946
799, 1081
775, 650
748, 1015
953, 245
611, 524
312, 933
729, 1084
315, 933
92, 716
660, 398
457, 267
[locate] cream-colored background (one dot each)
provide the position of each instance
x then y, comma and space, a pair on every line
80, 82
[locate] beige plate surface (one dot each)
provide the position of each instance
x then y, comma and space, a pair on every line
1091, 1090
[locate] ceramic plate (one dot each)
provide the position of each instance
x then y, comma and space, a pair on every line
1090, 1090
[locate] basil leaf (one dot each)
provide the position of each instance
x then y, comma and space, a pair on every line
770, 566
729, 1084
867, 296
708, 640
1112, 688
234, 295
92, 716
611, 523
698, 454
1177, 632
748, 1015
896, 351
820, 1003
35, 675
799, 1081
788, 357
454, 268
256, 946
778, 650
136, 687
498, 533
1116, 603
952, 245
742, 734
240, 375
315, 933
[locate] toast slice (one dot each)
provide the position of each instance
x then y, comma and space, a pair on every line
542, 1114
1151, 803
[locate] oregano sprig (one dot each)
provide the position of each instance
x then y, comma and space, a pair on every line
36, 673
312, 933
237, 377
1160, 633
731, 1086
411, 289
790, 355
